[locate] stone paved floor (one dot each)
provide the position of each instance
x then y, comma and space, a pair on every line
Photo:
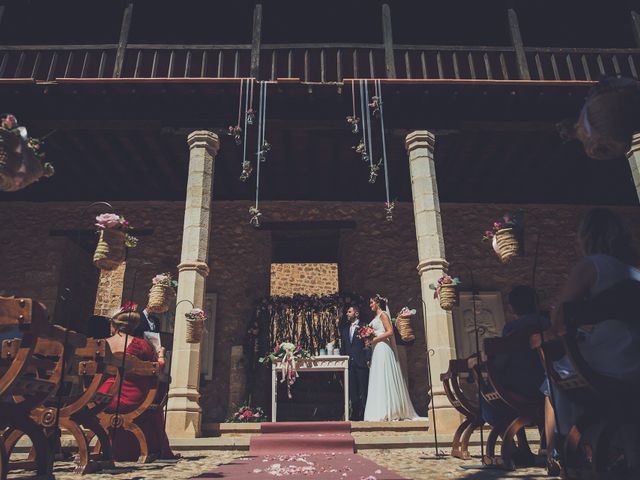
413, 463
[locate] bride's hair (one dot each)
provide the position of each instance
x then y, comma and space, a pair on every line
380, 300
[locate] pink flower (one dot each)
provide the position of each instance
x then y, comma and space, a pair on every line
108, 220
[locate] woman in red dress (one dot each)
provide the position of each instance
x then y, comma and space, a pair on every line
134, 390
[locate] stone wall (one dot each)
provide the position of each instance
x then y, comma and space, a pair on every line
373, 257
109, 291
304, 278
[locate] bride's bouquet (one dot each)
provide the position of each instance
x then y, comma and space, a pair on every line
366, 333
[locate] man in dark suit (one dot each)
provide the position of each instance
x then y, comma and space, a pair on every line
148, 323
359, 358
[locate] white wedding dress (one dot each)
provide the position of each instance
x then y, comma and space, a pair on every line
388, 397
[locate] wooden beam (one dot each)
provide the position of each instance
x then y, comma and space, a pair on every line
635, 25
124, 38
387, 35
516, 40
256, 39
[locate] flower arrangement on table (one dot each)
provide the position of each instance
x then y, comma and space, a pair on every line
113, 241
247, 414
162, 293
446, 290
196, 318
403, 323
288, 355
504, 237
21, 157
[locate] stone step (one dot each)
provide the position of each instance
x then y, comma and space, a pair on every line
218, 429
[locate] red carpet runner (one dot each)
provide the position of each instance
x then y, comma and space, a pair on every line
296, 450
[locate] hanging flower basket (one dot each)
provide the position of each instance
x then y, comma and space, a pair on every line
21, 158
195, 325
113, 242
608, 119
505, 238
446, 291
403, 323
162, 293
506, 244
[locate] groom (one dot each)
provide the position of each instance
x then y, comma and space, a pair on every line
359, 358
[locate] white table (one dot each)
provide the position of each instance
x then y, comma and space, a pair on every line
321, 363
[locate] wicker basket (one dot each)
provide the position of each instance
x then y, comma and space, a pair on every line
195, 330
405, 329
160, 298
507, 245
448, 296
110, 251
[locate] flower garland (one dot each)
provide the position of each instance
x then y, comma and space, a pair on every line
288, 355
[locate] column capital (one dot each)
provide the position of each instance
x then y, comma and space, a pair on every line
635, 145
200, 267
420, 139
432, 264
204, 139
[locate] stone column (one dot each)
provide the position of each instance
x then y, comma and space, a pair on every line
432, 265
183, 412
634, 161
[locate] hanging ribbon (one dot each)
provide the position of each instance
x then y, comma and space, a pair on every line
251, 114
361, 148
246, 164
373, 169
236, 131
254, 211
353, 119
389, 205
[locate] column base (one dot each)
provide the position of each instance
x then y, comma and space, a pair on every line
182, 424
448, 419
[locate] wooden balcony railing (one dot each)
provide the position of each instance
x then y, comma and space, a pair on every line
313, 63
428, 62
581, 63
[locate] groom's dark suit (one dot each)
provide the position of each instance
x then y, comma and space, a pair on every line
359, 356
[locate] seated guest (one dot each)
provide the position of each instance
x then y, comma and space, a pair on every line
611, 347
521, 372
134, 389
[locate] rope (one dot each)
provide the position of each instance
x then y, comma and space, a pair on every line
384, 144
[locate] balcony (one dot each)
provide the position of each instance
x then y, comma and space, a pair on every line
313, 63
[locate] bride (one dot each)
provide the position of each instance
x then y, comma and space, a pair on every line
388, 397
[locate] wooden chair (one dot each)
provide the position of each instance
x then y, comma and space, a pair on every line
609, 404
80, 402
524, 411
465, 401
155, 399
30, 371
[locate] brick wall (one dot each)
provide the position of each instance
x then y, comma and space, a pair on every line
304, 278
373, 257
